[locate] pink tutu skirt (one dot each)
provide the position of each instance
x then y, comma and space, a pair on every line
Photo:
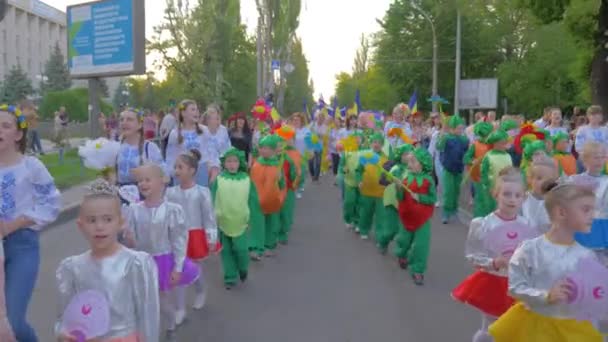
165, 264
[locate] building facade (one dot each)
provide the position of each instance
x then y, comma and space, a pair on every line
28, 35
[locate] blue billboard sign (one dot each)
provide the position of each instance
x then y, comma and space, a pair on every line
106, 38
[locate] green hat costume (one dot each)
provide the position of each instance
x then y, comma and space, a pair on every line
496, 136
240, 155
482, 130
508, 125
424, 158
376, 137
270, 141
559, 136
399, 151
533, 147
455, 121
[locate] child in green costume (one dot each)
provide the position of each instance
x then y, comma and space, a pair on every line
416, 206
493, 162
398, 171
267, 175
347, 168
236, 207
473, 158
292, 172
370, 202
452, 147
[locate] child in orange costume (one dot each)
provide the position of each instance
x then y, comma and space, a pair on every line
266, 173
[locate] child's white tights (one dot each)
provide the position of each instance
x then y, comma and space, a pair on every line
482, 334
199, 301
167, 309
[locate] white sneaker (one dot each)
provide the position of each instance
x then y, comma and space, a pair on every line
200, 300
349, 226
298, 195
180, 317
364, 237
438, 204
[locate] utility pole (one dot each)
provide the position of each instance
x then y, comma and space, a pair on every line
457, 72
260, 58
435, 57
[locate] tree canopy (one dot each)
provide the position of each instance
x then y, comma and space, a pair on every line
541, 53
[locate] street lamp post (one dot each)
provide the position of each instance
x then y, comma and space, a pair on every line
435, 46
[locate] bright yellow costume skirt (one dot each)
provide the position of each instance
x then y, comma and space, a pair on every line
520, 324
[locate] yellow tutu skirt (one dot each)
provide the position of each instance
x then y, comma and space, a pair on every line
520, 324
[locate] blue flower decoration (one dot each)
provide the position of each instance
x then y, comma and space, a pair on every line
369, 157
313, 142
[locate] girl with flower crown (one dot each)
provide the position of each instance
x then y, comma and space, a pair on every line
134, 149
398, 122
30, 200
187, 136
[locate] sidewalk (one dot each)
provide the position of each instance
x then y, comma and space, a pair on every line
70, 200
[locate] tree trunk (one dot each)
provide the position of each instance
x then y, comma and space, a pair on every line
599, 66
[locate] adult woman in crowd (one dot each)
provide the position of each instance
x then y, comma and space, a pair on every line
240, 133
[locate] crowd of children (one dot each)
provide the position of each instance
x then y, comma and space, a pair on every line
556, 205
152, 220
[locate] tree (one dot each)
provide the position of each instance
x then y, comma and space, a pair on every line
361, 57
149, 99
56, 72
121, 95
17, 85
587, 20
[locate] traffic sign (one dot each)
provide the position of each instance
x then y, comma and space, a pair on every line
276, 64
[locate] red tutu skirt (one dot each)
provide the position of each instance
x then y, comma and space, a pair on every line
198, 248
486, 292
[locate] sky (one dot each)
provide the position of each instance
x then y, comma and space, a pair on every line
330, 31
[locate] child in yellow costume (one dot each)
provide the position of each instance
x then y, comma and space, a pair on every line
372, 192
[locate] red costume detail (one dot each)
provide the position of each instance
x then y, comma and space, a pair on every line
414, 214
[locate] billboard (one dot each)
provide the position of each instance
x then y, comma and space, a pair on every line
106, 38
478, 94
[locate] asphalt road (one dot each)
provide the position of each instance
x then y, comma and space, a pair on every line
326, 285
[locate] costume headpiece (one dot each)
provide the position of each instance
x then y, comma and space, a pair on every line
496, 136
424, 158
240, 155
528, 132
455, 121
400, 150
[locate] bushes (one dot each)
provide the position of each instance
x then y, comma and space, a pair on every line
75, 101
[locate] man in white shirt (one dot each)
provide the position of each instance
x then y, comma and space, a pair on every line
545, 120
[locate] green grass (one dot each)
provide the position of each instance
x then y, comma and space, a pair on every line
69, 173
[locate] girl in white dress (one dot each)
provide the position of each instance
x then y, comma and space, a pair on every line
200, 221
216, 134
187, 136
134, 149
127, 279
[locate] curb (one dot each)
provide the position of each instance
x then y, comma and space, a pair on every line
67, 214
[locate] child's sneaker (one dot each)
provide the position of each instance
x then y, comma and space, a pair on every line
445, 218
364, 237
243, 276
403, 263
418, 279
180, 317
199, 300
228, 287
254, 256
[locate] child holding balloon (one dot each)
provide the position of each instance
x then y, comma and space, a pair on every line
540, 274
126, 279
486, 288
